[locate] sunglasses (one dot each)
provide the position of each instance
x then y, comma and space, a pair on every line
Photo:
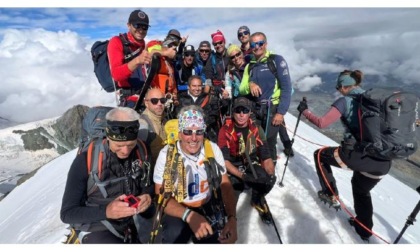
141, 26
189, 132
204, 51
189, 55
217, 43
239, 110
255, 44
235, 56
155, 101
119, 130
241, 34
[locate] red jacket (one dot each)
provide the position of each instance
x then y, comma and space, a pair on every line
119, 69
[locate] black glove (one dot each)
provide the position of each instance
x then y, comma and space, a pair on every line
271, 181
248, 178
302, 106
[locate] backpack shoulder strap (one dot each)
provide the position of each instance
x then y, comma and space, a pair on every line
128, 54
96, 159
272, 64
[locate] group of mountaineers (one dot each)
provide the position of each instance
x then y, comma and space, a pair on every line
193, 129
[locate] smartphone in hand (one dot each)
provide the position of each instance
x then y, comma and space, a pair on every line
132, 201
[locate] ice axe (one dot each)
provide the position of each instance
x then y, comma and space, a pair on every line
292, 141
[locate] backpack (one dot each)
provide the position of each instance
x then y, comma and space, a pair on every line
99, 53
387, 123
93, 141
271, 64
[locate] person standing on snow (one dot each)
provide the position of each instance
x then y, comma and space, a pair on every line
367, 171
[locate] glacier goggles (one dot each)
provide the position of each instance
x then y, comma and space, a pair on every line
189, 132
241, 109
122, 130
255, 44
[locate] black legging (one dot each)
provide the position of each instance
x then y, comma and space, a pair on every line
362, 184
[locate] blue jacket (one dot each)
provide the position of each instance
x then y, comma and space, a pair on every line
263, 77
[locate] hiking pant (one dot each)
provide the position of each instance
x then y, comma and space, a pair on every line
264, 119
367, 172
239, 186
174, 230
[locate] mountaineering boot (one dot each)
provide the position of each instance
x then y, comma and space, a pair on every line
330, 199
353, 223
261, 205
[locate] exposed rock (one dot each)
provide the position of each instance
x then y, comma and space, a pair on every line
68, 127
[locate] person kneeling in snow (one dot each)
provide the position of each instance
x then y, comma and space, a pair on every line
247, 157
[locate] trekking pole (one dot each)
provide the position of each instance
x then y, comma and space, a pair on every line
410, 220
292, 141
254, 173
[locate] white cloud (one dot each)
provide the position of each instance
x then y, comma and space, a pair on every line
45, 73
53, 68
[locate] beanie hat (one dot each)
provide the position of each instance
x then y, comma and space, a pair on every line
244, 27
217, 37
121, 131
204, 43
233, 48
138, 17
345, 80
191, 118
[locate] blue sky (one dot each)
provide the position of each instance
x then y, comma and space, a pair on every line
45, 52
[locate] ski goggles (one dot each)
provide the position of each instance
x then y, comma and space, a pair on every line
189, 132
155, 101
122, 130
255, 44
239, 110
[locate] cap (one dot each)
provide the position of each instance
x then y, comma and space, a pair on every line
189, 48
138, 17
242, 102
174, 32
243, 27
204, 43
217, 36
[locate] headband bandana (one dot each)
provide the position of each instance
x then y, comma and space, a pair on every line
191, 118
345, 80
121, 131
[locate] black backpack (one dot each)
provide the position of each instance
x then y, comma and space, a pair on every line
387, 121
99, 53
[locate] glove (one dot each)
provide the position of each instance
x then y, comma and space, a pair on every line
270, 182
302, 106
247, 178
